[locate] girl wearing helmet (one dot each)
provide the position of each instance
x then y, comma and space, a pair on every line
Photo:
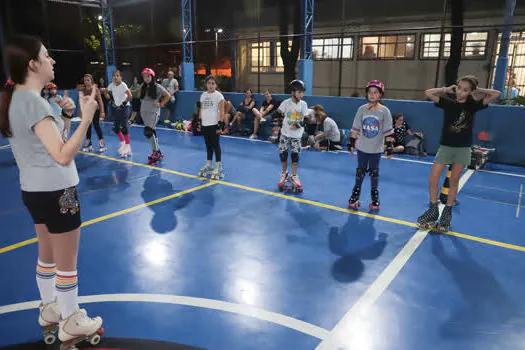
293, 110
373, 122
151, 94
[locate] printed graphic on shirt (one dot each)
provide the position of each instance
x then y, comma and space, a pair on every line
461, 124
371, 126
294, 117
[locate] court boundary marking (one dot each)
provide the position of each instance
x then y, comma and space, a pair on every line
115, 214
219, 305
314, 203
335, 152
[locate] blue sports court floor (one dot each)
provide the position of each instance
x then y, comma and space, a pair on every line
172, 261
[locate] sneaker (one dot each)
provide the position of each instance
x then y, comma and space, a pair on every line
253, 137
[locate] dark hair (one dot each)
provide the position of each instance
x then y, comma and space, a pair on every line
150, 89
210, 77
19, 52
397, 116
248, 89
116, 71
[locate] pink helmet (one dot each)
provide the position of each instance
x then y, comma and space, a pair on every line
376, 84
148, 71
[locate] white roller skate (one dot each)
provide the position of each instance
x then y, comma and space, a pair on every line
126, 151
79, 327
121, 148
282, 180
102, 148
48, 319
217, 172
296, 184
206, 170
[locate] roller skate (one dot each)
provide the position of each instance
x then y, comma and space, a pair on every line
102, 148
78, 328
121, 148
354, 202
446, 218
282, 181
48, 319
375, 200
217, 172
429, 219
155, 158
126, 151
88, 147
206, 170
296, 184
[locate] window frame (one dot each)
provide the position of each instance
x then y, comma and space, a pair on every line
338, 46
379, 44
463, 48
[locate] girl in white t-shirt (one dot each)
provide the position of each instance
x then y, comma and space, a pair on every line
211, 112
119, 96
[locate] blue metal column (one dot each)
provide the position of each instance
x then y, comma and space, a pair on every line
306, 67
188, 68
503, 59
107, 16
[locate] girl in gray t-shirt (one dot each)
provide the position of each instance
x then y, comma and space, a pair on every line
150, 97
372, 123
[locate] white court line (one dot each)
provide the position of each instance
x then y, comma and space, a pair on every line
240, 309
393, 158
519, 202
5, 147
343, 332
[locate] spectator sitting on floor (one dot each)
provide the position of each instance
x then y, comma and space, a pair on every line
268, 106
401, 129
330, 138
246, 106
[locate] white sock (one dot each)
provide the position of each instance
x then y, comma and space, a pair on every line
67, 292
45, 279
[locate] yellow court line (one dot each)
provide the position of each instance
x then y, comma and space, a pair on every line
317, 204
115, 214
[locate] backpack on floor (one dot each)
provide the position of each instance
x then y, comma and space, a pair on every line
414, 147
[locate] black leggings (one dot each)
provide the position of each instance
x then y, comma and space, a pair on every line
212, 142
120, 122
96, 124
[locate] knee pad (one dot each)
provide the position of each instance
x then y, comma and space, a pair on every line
374, 172
115, 129
295, 157
125, 130
360, 172
149, 132
284, 156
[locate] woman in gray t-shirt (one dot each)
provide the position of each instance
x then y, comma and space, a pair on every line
48, 179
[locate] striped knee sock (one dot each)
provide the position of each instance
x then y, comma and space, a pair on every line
45, 279
67, 292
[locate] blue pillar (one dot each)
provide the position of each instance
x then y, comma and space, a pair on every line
503, 59
187, 66
107, 16
306, 67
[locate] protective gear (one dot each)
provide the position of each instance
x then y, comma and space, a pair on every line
360, 173
376, 84
374, 172
116, 130
221, 125
295, 157
149, 132
148, 71
389, 148
297, 85
124, 130
51, 86
284, 156
9, 83
351, 143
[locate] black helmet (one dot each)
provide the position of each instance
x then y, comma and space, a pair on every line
297, 85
